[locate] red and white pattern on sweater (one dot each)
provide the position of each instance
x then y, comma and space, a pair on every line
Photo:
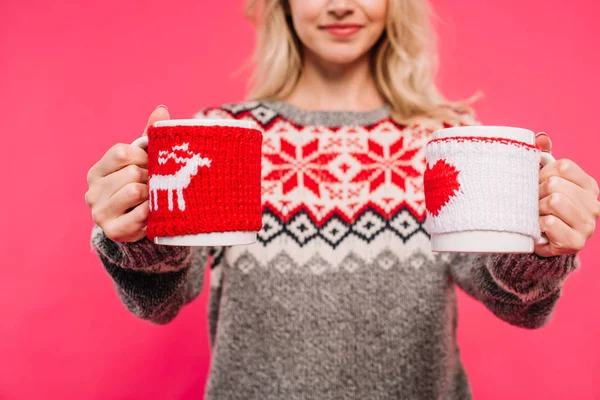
345, 170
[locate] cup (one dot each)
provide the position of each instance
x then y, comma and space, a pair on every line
203, 182
482, 190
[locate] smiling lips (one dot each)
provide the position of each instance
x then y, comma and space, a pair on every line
342, 30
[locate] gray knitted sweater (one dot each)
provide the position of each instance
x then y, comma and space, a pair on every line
341, 297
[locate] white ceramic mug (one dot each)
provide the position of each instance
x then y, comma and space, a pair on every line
490, 202
223, 153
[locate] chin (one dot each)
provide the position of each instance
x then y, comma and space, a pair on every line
341, 56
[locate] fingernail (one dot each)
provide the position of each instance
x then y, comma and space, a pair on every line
540, 134
542, 240
162, 106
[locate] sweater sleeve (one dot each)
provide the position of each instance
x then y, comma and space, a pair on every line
521, 289
155, 281
152, 281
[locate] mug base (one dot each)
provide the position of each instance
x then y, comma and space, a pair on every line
208, 239
481, 242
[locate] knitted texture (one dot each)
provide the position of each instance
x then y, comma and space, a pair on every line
341, 296
203, 179
478, 183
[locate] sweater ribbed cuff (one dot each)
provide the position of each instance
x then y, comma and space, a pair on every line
531, 275
143, 255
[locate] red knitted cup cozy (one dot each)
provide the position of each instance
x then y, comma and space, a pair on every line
203, 179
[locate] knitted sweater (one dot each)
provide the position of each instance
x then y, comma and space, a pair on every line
341, 296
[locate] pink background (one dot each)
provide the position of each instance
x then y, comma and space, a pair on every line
78, 77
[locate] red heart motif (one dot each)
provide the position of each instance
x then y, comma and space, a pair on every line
441, 183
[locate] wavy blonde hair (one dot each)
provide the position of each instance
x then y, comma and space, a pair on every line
403, 61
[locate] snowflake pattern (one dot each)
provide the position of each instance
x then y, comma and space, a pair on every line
325, 171
304, 166
380, 164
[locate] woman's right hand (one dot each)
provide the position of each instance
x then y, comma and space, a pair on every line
118, 188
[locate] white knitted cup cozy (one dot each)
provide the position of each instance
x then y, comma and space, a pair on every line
482, 183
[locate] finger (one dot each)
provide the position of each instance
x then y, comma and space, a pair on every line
107, 186
561, 206
122, 154
570, 171
129, 227
562, 238
117, 157
129, 196
160, 113
543, 142
582, 198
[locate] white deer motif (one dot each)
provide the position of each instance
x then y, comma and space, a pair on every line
179, 180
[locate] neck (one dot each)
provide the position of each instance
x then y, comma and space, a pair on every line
326, 86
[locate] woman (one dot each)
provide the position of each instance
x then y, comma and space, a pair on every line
341, 296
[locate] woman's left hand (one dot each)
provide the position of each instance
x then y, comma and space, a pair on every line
569, 205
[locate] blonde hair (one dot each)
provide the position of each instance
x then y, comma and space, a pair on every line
404, 60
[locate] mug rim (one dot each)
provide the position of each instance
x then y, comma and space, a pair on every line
505, 132
240, 123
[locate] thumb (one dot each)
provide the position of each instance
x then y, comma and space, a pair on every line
160, 113
543, 142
